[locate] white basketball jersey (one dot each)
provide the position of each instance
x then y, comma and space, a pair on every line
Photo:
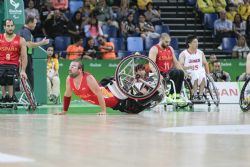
194, 60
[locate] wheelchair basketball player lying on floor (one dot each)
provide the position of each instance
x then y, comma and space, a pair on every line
132, 90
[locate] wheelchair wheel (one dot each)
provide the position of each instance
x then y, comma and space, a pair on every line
245, 96
29, 94
135, 79
212, 90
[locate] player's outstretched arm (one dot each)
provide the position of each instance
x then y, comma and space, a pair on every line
66, 98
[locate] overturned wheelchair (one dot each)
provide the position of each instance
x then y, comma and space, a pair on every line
136, 84
23, 94
245, 96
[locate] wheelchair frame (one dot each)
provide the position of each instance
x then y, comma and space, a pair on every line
26, 99
245, 104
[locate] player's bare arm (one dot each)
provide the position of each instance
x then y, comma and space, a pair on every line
94, 87
24, 59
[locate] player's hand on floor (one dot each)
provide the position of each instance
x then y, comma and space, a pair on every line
102, 113
60, 113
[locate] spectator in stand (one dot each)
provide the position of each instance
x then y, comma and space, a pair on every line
248, 30
222, 28
236, 3
104, 14
53, 81
219, 5
31, 11
153, 15
75, 26
75, 51
93, 29
135, 10
55, 25
107, 49
91, 50
128, 27
244, 9
241, 48
239, 25
146, 29
211, 61
142, 5
205, 6
60, 4
123, 10
45, 10
232, 10
86, 12
218, 74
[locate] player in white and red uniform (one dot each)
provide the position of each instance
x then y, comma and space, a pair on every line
194, 62
12, 49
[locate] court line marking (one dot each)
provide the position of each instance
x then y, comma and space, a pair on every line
8, 158
214, 129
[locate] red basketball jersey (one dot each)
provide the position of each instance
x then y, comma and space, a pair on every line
164, 59
86, 94
10, 51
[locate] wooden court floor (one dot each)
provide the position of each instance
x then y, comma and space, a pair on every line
187, 138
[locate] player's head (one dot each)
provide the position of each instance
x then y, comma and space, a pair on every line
31, 22
165, 40
192, 42
140, 71
9, 26
75, 68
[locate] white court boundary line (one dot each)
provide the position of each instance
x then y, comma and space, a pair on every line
8, 158
214, 129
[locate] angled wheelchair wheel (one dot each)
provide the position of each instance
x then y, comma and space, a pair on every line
29, 94
212, 90
135, 79
245, 96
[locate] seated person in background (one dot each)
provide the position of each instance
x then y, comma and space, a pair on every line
205, 6
93, 29
244, 9
146, 29
107, 49
75, 51
212, 58
239, 26
91, 50
222, 27
219, 5
153, 15
218, 74
241, 49
53, 81
194, 62
231, 12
